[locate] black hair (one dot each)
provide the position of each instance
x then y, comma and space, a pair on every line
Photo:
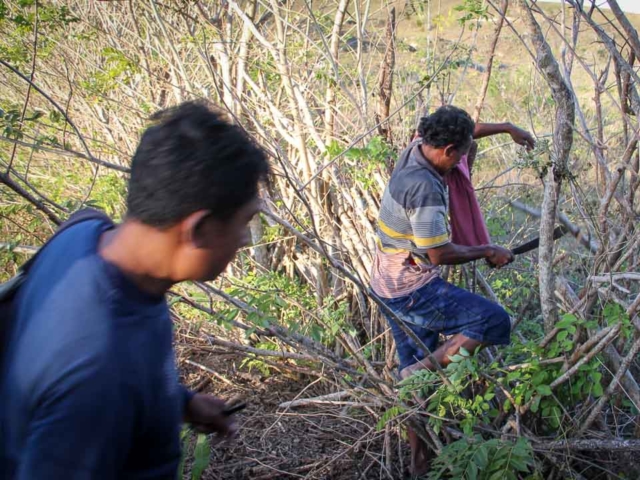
193, 159
448, 125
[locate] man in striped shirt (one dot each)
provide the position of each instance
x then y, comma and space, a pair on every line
414, 240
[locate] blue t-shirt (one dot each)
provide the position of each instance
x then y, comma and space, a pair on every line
90, 389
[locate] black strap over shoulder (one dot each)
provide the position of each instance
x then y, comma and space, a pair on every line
9, 289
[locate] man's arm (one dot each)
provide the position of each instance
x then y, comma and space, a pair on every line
519, 136
431, 236
452, 254
81, 426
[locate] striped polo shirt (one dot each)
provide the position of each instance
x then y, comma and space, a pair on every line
413, 218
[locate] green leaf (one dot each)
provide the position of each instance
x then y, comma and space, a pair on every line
498, 475
556, 415
389, 415
519, 464
200, 457
472, 471
536, 404
597, 389
512, 376
567, 320
185, 441
539, 377
544, 390
481, 457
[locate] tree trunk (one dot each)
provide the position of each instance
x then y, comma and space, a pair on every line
385, 79
557, 168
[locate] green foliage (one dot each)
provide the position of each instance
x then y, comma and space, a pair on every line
532, 382
265, 69
364, 162
254, 362
117, 67
479, 459
513, 288
109, 192
17, 25
453, 400
563, 341
279, 299
272, 233
389, 415
10, 123
538, 159
473, 10
614, 314
201, 454
469, 396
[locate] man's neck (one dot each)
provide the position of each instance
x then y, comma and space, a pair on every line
132, 249
424, 150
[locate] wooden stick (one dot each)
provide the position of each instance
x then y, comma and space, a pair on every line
590, 444
613, 386
212, 372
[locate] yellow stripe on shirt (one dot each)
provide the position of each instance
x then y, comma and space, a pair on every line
419, 242
432, 241
392, 233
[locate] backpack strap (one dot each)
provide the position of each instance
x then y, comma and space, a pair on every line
9, 289
80, 216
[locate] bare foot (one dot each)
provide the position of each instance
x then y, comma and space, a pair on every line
420, 454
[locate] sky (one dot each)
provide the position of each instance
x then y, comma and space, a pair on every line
630, 6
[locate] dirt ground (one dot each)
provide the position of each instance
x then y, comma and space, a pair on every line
313, 442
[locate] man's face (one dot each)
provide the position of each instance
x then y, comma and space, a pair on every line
214, 243
445, 158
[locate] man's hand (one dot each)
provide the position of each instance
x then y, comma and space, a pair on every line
206, 414
499, 256
522, 137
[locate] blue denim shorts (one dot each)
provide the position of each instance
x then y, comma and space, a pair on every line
442, 308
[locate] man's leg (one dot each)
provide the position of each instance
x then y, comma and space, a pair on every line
472, 320
408, 351
408, 354
443, 354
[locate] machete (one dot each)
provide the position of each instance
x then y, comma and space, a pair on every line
535, 243
228, 411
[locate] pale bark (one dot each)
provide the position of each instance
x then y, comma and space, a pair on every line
489, 67
631, 32
385, 78
557, 169
334, 50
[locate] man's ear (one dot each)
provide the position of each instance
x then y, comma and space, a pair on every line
449, 150
192, 228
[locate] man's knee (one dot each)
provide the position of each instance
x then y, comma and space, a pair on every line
499, 327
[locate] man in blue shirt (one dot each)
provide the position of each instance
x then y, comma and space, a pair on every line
89, 388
